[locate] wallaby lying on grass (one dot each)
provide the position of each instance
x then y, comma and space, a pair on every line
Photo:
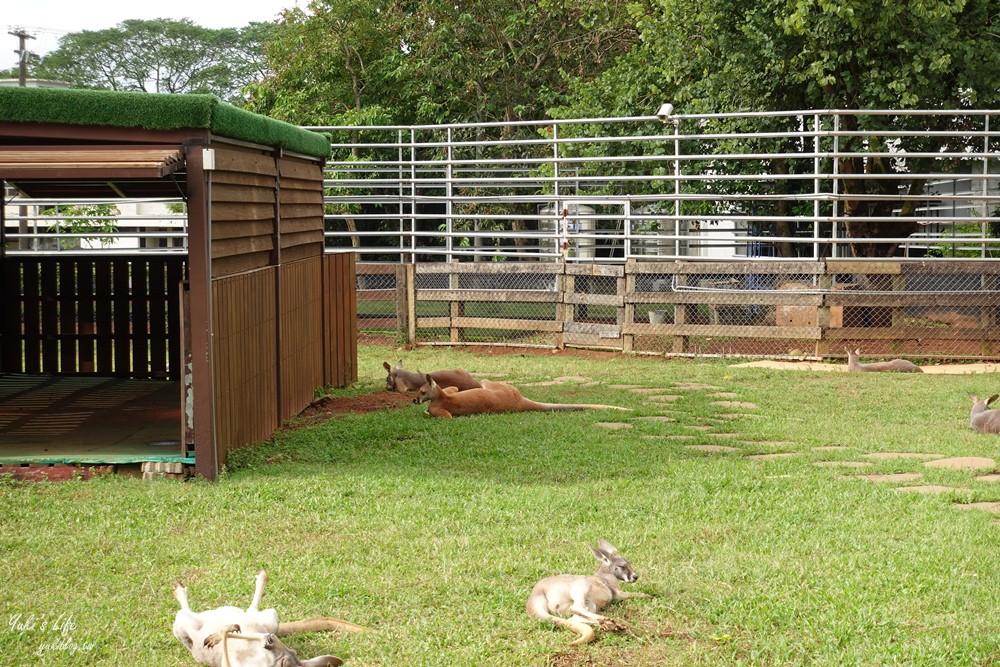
492, 397
233, 637
982, 418
894, 366
404, 381
584, 596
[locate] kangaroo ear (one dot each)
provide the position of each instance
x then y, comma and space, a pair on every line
429, 379
386, 366
992, 398
399, 364
607, 547
858, 351
600, 555
973, 397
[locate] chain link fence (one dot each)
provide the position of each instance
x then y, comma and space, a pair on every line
917, 309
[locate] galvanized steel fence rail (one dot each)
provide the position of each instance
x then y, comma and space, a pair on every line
778, 234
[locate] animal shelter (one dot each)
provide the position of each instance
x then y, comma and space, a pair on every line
165, 355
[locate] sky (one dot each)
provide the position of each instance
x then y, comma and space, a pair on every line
48, 20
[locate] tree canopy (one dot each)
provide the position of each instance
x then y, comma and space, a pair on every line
161, 56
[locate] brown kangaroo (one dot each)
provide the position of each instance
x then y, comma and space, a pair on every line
492, 397
894, 366
584, 596
404, 381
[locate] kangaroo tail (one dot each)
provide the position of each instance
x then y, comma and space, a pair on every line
564, 407
538, 608
317, 625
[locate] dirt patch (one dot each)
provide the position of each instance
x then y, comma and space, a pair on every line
934, 369
365, 403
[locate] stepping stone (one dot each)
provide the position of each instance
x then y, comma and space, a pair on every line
656, 418
646, 390
680, 437
726, 435
733, 415
623, 386
724, 394
895, 477
963, 463
666, 398
734, 404
768, 443
711, 448
830, 448
993, 477
572, 378
994, 508
769, 457
931, 488
694, 386
884, 456
589, 384
699, 427
612, 425
842, 464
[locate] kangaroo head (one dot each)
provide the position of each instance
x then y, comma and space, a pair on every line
982, 405
428, 392
613, 562
390, 379
268, 651
276, 654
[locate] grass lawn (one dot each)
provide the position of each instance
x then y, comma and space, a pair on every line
432, 532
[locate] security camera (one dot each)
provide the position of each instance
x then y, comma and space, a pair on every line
666, 109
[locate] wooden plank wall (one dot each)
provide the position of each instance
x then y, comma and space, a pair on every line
301, 355
113, 316
245, 349
243, 198
341, 306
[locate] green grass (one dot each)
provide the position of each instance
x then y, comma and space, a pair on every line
432, 532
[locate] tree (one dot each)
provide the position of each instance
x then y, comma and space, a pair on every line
771, 55
162, 56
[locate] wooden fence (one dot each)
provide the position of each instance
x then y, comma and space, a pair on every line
113, 316
915, 308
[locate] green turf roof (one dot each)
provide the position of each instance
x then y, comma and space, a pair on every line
154, 111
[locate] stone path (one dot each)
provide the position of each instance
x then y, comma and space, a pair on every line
675, 415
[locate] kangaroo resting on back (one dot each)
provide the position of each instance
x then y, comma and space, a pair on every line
894, 366
584, 596
982, 419
233, 637
491, 397
404, 381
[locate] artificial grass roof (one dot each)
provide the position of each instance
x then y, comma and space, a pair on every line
155, 111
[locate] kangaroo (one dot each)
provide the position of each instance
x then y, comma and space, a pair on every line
404, 381
491, 397
232, 637
983, 419
584, 596
894, 366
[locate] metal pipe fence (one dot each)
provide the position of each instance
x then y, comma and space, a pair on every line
788, 185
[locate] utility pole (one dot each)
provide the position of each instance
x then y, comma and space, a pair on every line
22, 81
22, 54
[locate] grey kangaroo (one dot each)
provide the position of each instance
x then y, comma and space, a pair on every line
234, 637
894, 366
983, 419
584, 596
404, 381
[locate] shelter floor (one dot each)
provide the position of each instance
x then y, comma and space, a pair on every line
46, 419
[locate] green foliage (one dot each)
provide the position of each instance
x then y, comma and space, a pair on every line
161, 56
96, 219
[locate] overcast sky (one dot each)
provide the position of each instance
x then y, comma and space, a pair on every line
48, 20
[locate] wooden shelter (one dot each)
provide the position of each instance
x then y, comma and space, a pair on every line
247, 323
